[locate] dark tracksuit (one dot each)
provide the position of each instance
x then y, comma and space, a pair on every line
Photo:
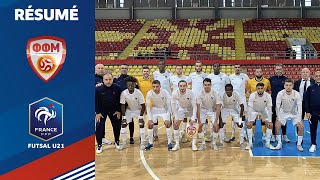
121, 81
107, 102
311, 99
277, 84
98, 79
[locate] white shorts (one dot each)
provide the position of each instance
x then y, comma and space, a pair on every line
225, 113
204, 114
183, 114
283, 117
163, 116
265, 116
132, 114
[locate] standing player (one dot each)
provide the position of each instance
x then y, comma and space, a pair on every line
135, 109
164, 77
145, 82
239, 81
174, 80
183, 106
196, 81
158, 106
232, 105
260, 104
289, 106
207, 102
218, 81
252, 87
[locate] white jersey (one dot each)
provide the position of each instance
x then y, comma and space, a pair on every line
260, 104
174, 80
232, 102
183, 102
164, 79
161, 102
219, 81
133, 100
291, 104
208, 101
239, 83
197, 81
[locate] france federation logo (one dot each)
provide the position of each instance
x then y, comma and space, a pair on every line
46, 119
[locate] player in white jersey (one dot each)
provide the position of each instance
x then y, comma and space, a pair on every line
207, 102
174, 80
164, 77
289, 106
260, 104
239, 81
232, 106
158, 104
183, 106
218, 81
135, 109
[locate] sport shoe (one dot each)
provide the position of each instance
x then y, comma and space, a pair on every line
170, 147
176, 147
269, 146
131, 140
106, 141
286, 139
202, 147
194, 147
148, 147
232, 139
208, 139
300, 148
117, 145
215, 147
142, 147
122, 147
249, 146
273, 138
183, 136
243, 146
226, 140
220, 145
155, 138
99, 149
279, 146
313, 148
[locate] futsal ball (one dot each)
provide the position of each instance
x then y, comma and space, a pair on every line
191, 131
46, 64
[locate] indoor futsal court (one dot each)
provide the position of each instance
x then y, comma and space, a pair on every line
229, 163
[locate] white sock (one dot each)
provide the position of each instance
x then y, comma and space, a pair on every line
299, 140
184, 126
224, 132
233, 129
250, 135
155, 130
142, 135
176, 136
268, 135
194, 140
221, 136
201, 136
241, 135
204, 128
124, 135
211, 129
245, 129
150, 136
169, 135
278, 138
214, 138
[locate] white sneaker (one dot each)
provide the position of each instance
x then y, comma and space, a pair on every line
194, 147
243, 146
215, 147
279, 146
313, 148
270, 146
286, 139
202, 147
117, 146
176, 147
142, 147
249, 146
300, 148
99, 150
106, 141
183, 136
273, 138
122, 147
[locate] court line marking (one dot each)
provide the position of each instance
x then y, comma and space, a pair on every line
145, 164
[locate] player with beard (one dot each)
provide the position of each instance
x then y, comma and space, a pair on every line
174, 80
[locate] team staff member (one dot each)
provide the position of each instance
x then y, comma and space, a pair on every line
120, 81
311, 99
107, 104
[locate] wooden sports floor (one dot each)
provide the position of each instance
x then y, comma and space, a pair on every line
229, 163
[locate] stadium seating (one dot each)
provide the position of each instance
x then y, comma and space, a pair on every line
113, 36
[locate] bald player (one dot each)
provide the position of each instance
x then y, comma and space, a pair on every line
99, 72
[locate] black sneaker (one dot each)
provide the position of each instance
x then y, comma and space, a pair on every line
131, 140
149, 146
232, 139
